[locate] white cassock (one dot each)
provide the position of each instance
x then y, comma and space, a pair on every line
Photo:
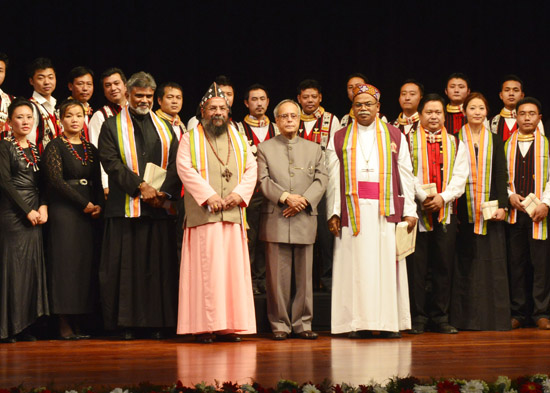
370, 288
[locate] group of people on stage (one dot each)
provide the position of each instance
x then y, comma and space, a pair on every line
127, 212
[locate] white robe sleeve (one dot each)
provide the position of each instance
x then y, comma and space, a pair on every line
333, 187
457, 185
407, 178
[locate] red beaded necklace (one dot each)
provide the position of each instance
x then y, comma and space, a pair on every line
21, 153
72, 149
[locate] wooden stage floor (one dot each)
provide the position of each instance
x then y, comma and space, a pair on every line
96, 362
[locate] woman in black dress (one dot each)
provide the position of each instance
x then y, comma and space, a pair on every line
72, 171
23, 294
480, 299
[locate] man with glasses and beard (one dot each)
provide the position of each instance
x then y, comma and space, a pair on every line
218, 171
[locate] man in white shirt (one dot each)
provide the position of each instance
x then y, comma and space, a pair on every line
46, 120
528, 243
437, 160
410, 94
113, 81
5, 99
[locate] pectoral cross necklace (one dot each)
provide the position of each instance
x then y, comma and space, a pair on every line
226, 174
365, 156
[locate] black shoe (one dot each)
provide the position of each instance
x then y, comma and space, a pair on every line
9, 340
25, 336
390, 334
445, 328
229, 338
360, 334
81, 336
128, 335
70, 337
307, 335
279, 336
205, 338
417, 328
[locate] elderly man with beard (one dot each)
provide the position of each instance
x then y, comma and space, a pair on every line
138, 269
371, 188
218, 171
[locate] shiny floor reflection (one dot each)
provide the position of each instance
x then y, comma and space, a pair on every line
107, 362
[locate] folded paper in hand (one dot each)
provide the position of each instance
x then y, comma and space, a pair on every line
154, 175
489, 208
429, 188
404, 241
530, 203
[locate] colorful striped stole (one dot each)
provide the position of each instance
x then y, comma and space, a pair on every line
478, 186
128, 151
420, 161
349, 158
199, 156
540, 229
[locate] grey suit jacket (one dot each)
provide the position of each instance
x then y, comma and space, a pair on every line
296, 166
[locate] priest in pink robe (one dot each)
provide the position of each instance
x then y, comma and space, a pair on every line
219, 173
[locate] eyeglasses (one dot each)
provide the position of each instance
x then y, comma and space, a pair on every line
359, 105
287, 116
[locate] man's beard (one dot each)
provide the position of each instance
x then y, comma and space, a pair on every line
140, 110
213, 129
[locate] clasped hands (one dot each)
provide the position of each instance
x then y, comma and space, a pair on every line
217, 203
541, 211
433, 203
38, 217
296, 203
151, 196
93, 210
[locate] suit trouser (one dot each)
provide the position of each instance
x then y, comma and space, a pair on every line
529, 267
280, 257
434, 250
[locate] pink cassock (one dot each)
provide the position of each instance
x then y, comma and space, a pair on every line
215, 293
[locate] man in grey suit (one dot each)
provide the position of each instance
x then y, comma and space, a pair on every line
293, 178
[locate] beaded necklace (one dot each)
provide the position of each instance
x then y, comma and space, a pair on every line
75, 153
21, 153
226, 174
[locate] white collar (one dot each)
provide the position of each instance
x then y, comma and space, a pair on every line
41, 99
370, 127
